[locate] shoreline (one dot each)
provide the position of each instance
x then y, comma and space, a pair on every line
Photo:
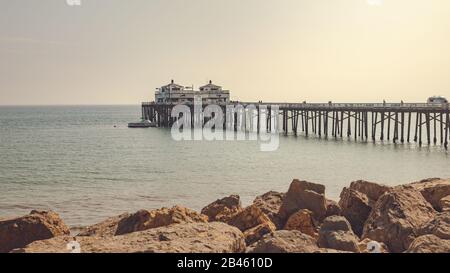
366, 213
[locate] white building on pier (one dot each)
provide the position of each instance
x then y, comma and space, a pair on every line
178, 94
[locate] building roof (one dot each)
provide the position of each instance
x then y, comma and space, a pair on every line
210, 85
172, 84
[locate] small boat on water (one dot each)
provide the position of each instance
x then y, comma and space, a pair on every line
144, 123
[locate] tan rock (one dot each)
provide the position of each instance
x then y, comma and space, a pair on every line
180, 238
372, 190
444, 203
336, 233
223, 209
304, 195
357, 201
105, 228
250, 217
253, 222
38, 225
145, 219
433, 190
439, 226
285, 241
302, 221
270, 204
255, 233
355, 208
397, 217
429, 244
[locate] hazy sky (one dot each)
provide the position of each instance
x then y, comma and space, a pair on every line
119, 51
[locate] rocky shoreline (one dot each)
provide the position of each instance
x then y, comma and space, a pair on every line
369, 217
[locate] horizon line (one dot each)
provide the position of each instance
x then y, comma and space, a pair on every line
112, 104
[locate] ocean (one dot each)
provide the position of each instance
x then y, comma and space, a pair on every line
84, 163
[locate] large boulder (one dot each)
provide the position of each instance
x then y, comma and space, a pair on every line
336, 233
372, 190
270, 204
357, 201
429, 244
433, 190
284, 241
38, 225
253, 222
148, 219
304, 195
105, 228
181, 238
302, 221
356, 208
224, 209
397, 217
439, 226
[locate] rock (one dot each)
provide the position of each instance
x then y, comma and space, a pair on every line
355, 208
304, 195
223, 209
336, 223
372, 190
333, 208
429, 244
253, 222
250, 217
38, 225
439, 226
396, 218
145, 219
357, 201
181, 238
339, 240
433, 190
270, 204
105, 228
284, 241
336, 233
302, 221
254, 234
369, 246
444, 203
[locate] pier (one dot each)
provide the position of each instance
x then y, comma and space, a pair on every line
422, 123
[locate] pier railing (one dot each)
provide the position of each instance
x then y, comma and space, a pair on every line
340, 106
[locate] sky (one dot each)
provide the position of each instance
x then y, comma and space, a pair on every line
118, 52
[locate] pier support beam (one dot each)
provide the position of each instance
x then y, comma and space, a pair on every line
420, 129
447, 128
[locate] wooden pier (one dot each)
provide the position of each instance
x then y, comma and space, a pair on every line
421, 123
